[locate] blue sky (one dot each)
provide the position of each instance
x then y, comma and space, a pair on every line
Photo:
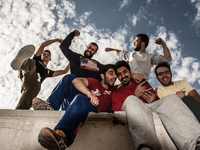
110, 23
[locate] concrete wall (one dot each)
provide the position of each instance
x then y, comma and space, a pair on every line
19, 131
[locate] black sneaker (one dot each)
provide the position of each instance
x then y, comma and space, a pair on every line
39, 104
52, 139
197, 147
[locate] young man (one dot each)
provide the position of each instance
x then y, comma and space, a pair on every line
139, 106
181, 88
141, 61
33, 72
81, 66
96, 98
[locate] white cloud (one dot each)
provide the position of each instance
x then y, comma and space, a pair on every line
124, 3
141, 14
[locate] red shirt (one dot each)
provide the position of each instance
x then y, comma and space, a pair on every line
103, 94
119, 95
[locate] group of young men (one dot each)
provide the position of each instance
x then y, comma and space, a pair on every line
91, 88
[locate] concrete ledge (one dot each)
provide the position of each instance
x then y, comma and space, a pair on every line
19, 130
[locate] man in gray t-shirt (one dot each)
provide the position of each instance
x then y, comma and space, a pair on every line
141, 61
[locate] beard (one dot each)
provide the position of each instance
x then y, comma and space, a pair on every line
137, 48
107, 82
86, 55
125, 83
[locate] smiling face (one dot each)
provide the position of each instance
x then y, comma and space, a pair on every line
164, 76
108, 80
90, 51
124, 75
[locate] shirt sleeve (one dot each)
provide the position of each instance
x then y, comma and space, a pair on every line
125, 55
92, 82
37, 58
64, 46
156, 59
187, 87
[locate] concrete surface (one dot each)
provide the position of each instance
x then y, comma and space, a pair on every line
19, 131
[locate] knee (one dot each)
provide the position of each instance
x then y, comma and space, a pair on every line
68, 77
81, 99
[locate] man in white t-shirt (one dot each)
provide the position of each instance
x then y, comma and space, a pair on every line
181, 88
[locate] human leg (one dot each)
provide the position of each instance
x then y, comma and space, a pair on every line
141, 125
74, 117
30, 86
193, 105
179, 121
63, 93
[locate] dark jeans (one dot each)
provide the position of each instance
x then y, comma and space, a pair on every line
75, 116
63, 93
193, 104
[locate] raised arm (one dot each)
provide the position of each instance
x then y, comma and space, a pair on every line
167, 53
81, 85
60, 72
116, 51
44, 44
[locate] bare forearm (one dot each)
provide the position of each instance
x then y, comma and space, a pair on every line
166, 50
60, 72
44, 44
116, 51
81, 85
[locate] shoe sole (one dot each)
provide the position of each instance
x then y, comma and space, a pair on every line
41, 105
47, 139
24, 53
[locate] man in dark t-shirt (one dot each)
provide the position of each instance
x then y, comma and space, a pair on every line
33, 72
80, 66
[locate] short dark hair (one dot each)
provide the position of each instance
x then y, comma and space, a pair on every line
144, 38
47, 51
120, 64
162, 65
95, 44
105, 68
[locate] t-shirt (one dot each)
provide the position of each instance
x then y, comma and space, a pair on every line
79, 65
120, 94
180, 85
142, 62
42, 71
103, 94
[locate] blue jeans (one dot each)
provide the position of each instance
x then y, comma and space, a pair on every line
75, 116
63, 93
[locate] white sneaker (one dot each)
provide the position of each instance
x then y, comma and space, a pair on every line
24, 53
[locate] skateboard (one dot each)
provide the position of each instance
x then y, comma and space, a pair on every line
24, 53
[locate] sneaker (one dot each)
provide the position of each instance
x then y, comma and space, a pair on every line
24, 53
197, 147
39, 104
52, 139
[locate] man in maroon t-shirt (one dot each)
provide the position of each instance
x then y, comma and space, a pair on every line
139, 101
95, 97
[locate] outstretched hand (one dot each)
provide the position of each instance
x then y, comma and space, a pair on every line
140, 89
149, 96
76, 32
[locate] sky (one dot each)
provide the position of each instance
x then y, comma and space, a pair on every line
109, 23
